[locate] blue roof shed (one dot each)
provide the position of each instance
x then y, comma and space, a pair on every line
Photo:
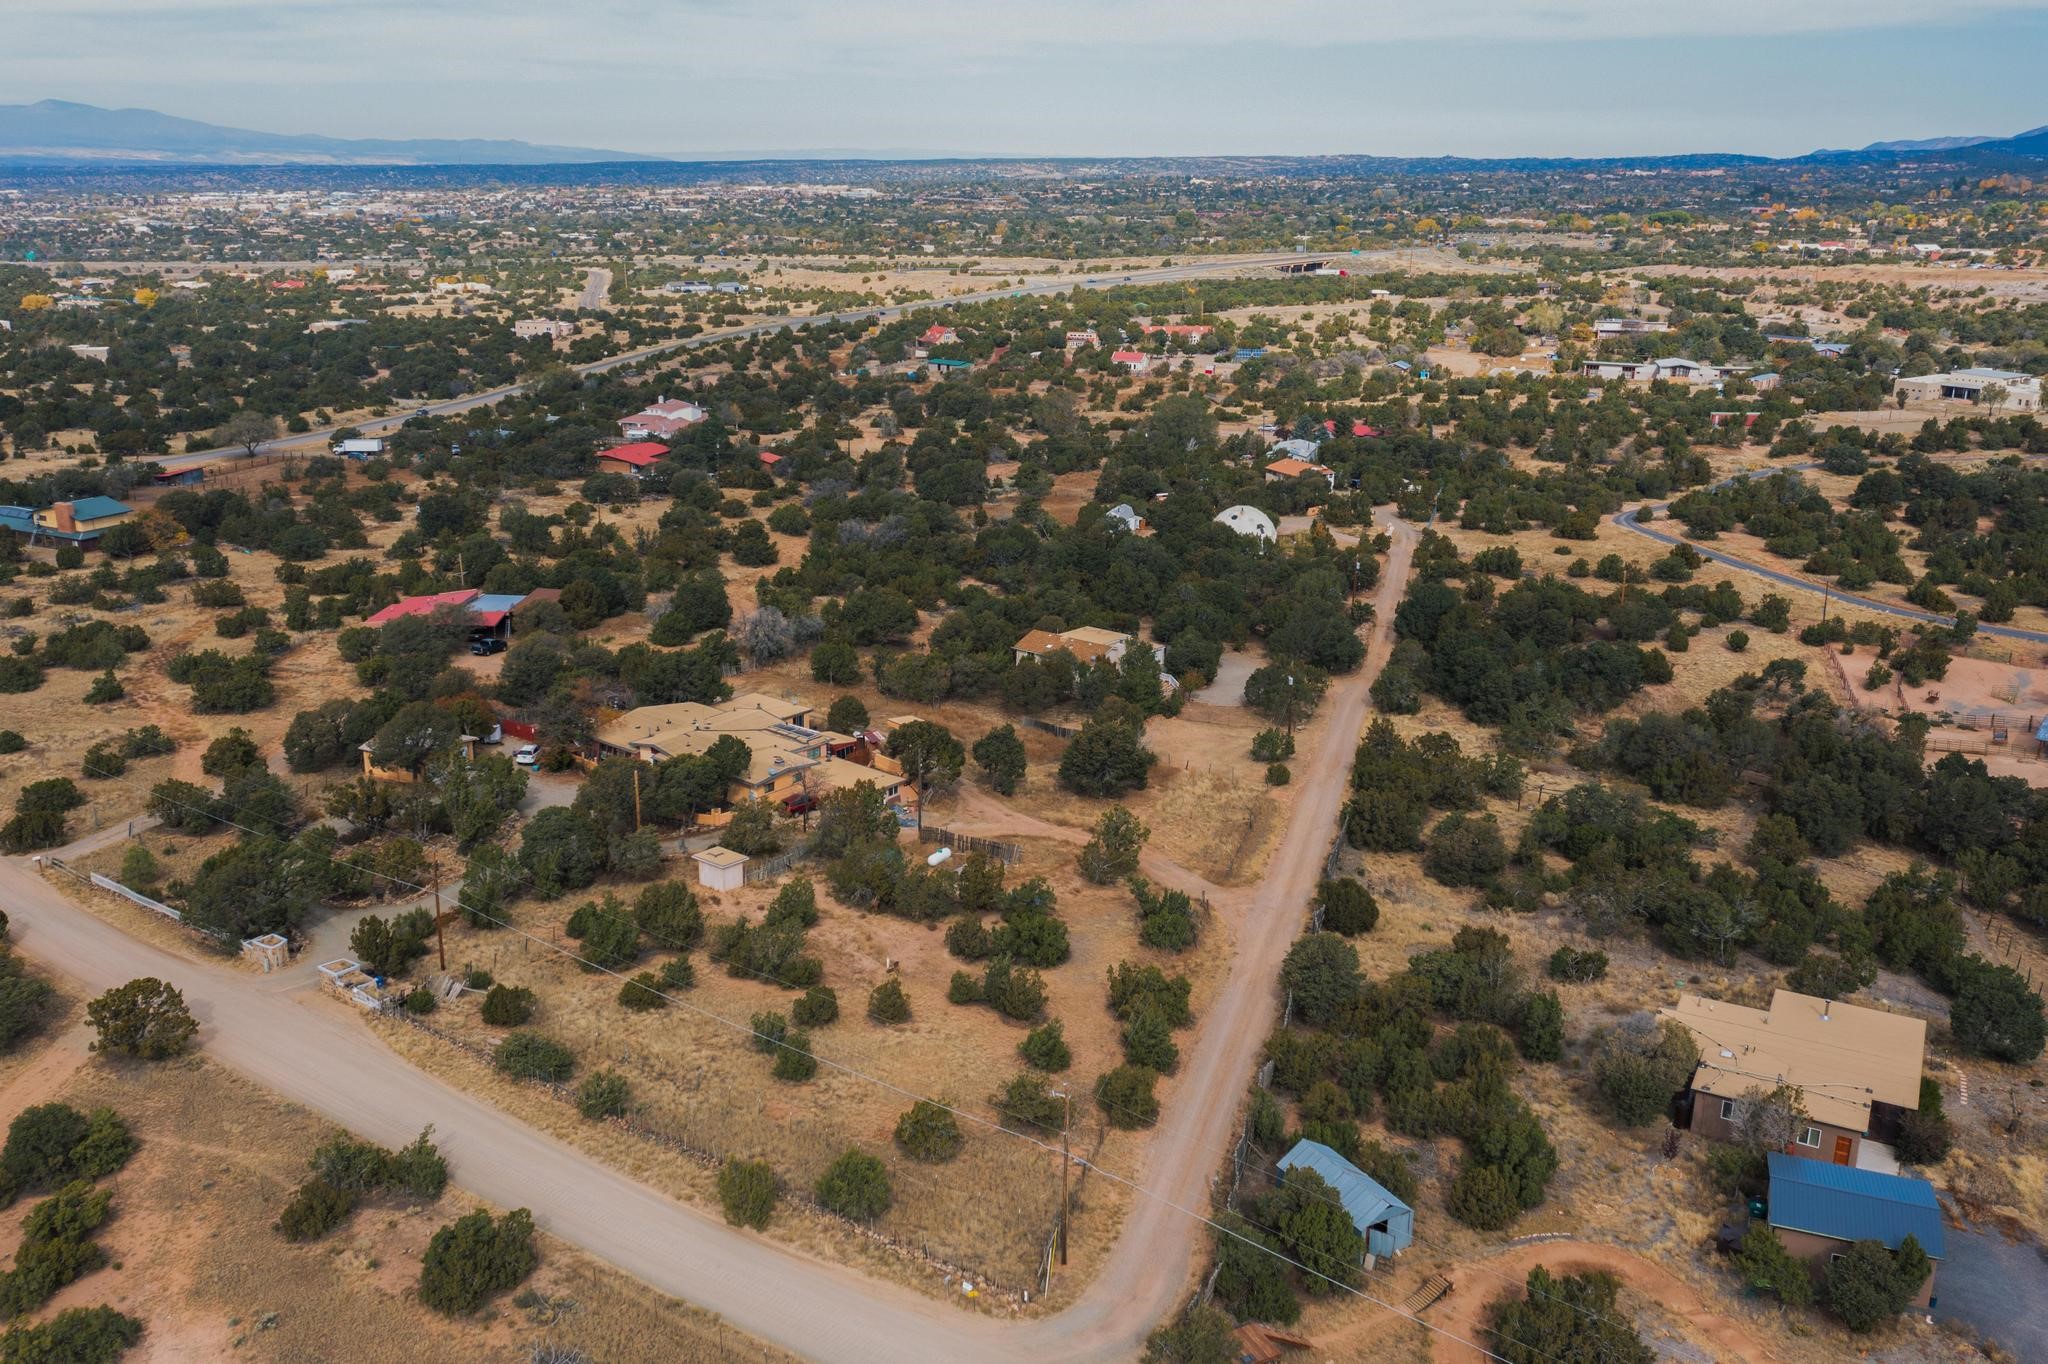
1387, 1223
1844, 1203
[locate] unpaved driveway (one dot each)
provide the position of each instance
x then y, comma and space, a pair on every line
1462, 1312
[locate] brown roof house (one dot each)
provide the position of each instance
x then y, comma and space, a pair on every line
1086, 644
1857, 1071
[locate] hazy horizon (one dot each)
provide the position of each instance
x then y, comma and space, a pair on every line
1054, 78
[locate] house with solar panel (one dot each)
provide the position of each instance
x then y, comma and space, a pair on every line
1819, 1210
1386, 1223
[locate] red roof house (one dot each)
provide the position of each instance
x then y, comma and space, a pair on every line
422, 606
1136, 361
1361, 430
939, 335
770, 458
634, 460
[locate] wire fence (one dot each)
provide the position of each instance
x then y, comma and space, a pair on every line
1008, 853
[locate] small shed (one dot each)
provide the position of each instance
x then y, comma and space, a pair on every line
720, 868
1386, 1223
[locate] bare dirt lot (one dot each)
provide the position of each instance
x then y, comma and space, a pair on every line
192, 1252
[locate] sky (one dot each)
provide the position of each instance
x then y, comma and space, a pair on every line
1058, 77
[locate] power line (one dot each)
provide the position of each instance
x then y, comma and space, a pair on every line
748, 1030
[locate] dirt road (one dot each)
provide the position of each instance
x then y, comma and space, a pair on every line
1462, 1312
283, 1033
597, 286
1149, 1268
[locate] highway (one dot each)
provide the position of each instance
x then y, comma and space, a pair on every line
1626, 519
377, 426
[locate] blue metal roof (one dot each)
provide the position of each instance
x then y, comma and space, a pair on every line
1848, 1204
93, 508
1364, 1200
23, 519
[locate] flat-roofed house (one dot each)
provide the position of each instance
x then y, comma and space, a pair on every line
789, 757
1857, 1071
2022, 391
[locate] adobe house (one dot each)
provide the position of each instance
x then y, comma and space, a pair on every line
1857, 1070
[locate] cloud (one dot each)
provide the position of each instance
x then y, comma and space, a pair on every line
769, 25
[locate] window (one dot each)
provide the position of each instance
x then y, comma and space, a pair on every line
1810, 1137
1727, 1110
1836, 1257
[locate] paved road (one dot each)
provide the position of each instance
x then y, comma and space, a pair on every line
376, 426
1626, 519
284, 1033
597, 286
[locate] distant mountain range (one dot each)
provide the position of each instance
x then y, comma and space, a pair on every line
61, 133
58, 131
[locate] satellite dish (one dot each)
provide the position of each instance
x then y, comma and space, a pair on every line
940, 856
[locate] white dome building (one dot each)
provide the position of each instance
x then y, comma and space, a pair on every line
1248, 520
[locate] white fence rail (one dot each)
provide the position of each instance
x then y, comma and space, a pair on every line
109, 883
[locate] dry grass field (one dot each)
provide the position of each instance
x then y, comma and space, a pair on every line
192, 1252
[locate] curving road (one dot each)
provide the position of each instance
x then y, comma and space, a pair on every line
376, 426
284, 1033
597, 286
1626, 519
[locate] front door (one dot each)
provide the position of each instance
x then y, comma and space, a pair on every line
1842, 1149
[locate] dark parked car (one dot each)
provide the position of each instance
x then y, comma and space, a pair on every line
486, 646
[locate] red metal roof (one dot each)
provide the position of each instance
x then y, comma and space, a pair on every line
422, 606
639, 456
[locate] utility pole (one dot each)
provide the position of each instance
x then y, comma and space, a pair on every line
440, 939
1066, 1122
636, 798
